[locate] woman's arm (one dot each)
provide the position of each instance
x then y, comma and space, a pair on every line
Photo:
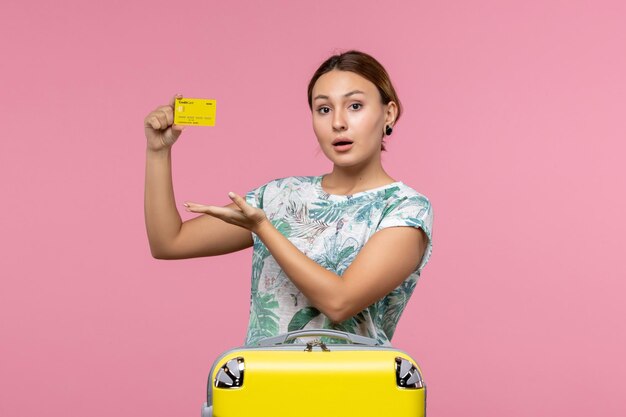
168, 236
386, 260
383, 263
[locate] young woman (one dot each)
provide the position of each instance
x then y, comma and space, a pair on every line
340, 251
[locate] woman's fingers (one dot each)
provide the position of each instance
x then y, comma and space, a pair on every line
201, 208
173, 100
241, 203
223, 213
158, 119
253, 215
236, 199
169, 115
162, 117
151, 122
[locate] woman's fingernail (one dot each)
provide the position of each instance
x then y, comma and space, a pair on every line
231, 194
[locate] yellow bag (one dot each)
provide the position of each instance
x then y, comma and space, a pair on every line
312, 379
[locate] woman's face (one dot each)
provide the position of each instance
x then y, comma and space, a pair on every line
349, 118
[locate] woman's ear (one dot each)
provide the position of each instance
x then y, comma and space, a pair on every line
391, 112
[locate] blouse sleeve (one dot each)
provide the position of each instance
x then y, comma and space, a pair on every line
412, 211
255, 197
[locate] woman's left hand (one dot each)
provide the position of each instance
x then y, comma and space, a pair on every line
242, 214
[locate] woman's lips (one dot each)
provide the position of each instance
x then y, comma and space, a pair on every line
342, 144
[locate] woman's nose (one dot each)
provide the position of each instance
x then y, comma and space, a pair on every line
339, 121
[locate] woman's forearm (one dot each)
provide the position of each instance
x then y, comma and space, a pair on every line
323, 288
163, 222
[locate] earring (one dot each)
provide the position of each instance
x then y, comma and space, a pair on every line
388, 130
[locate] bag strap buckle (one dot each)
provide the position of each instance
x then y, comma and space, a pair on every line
316, 342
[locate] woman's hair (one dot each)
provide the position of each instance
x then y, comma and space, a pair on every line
364, 65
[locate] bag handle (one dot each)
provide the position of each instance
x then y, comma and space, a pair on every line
355, 339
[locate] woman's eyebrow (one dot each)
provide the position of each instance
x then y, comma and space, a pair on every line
351, 93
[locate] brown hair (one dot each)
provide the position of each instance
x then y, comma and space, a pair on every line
364, 65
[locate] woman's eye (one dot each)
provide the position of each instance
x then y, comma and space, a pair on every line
323, 110
356, 106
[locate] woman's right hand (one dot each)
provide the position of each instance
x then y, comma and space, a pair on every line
161, 132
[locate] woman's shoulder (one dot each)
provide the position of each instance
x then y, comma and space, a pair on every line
403, 191
407, 203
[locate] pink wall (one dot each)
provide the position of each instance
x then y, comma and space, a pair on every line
514, 127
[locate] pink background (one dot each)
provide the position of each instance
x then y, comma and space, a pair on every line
514, 127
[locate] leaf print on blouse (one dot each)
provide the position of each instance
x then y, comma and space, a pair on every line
302, 318
302, 225
283, 227
423, 203
338, 257
259, 255
375, 312
391, 207
263, 319
414, 221
387, 193
394, 304
351, 325
261, 194
286, 190
327, 211
368, 212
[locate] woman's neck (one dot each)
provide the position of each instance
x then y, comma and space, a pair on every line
346, 181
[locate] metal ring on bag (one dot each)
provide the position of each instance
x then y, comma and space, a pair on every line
316, 342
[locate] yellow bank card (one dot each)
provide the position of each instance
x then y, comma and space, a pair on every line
194, 112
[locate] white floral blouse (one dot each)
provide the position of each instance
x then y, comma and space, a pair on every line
330, 229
